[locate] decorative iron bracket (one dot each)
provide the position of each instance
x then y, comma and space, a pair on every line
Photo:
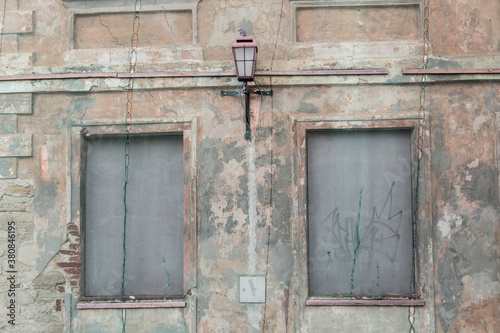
246, 91
258, 92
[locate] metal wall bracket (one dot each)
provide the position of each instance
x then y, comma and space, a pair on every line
258, 92
246, 92
229, 93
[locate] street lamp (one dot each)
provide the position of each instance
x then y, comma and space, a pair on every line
245, 57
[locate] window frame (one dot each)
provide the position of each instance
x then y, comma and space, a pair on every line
187, 129
423, 251
328, 138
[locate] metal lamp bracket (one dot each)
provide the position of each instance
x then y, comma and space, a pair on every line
246, 91
258, 92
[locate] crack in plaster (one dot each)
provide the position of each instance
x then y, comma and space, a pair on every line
126, 87
86, 6
109, 30
165, 107
166, 20
156, 103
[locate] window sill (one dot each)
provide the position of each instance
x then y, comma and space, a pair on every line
127, 305
365, 302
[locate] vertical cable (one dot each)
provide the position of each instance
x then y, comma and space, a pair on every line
271, 167
356, 245
128, 121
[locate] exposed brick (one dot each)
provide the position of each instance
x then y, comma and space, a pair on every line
67, 252
61, 289
74, 246
71, 270
73, 227
74, 282
58, 304
68, 264
74, 233
13, 145
77, 259
16, 103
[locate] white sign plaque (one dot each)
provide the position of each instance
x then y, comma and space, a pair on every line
252, 289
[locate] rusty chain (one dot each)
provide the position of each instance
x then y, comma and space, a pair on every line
128, 123
420, 144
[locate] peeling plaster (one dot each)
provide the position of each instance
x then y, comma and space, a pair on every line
252, 210
445, 228
44, 162
243, 187
473, 164
478, 122
479, 288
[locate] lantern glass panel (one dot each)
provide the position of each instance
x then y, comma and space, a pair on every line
249, 61
245, 61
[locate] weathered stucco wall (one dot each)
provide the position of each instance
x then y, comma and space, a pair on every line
250, 216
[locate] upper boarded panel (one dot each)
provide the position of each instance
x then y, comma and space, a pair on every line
330, 24
114, 30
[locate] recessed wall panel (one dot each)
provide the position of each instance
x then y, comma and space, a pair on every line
356, 23
114, 30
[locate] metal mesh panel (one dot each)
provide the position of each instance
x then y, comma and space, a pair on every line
155, 217
359, 213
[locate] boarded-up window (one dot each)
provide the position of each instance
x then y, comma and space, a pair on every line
154, 222
359, 213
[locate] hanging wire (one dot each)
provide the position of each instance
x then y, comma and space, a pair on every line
356, 245
271, 165
3, 24
128, 121
420, 143
277, 36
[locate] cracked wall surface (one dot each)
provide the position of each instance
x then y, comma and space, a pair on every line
249, 213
